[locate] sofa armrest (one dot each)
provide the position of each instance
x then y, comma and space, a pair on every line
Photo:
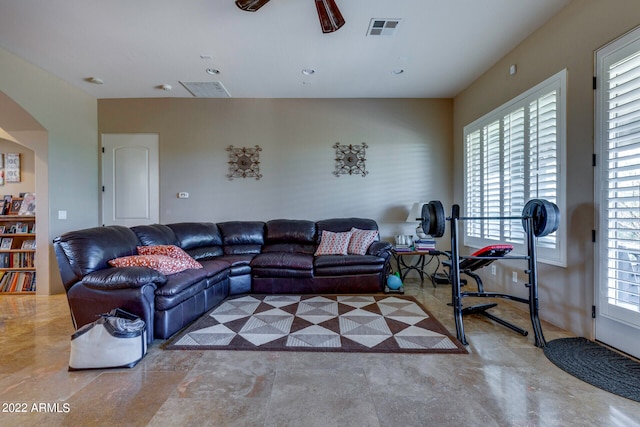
380, 248
123, 278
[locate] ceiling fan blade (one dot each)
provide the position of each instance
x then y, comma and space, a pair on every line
330, 17
251, 5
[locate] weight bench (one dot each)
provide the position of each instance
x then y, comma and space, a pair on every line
539, 218
468, 265
477, 260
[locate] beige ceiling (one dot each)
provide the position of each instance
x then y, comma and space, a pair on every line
135, 46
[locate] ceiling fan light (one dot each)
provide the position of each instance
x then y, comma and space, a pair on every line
251, 5
330, 17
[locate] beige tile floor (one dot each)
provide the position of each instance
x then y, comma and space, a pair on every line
504, 381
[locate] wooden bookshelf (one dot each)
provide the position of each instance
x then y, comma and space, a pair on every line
17, 254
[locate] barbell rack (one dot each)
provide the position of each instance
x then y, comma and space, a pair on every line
532, 284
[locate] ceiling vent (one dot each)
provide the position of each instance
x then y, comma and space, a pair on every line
206, 89
383, 27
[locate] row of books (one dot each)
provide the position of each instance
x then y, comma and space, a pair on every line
17, 281
17, 259
425, 244
419, 245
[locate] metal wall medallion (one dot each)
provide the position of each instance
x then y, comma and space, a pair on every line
350, 159
244, 162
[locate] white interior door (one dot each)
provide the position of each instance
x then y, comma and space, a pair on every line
618, 194
130, 179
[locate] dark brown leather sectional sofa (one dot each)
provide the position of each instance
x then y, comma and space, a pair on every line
238, 257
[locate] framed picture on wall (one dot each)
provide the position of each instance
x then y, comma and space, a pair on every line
12, 167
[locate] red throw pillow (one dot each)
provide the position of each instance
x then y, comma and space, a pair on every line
170, 251
164, 264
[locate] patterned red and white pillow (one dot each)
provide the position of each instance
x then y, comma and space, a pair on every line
361, 240
333, 243
170, 251
162, 263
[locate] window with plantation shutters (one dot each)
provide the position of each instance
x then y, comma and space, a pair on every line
512, 155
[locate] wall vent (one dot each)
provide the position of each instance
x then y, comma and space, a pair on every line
383, 27
206, 89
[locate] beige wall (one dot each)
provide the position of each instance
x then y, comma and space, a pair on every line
408, 158
59, 123
569, 41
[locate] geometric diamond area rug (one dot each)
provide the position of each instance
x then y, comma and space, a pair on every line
347, 323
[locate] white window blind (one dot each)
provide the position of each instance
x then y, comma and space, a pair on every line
622, 127
512, 155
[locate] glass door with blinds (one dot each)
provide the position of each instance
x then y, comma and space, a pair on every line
618, 194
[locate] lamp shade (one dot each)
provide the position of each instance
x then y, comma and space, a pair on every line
416, 212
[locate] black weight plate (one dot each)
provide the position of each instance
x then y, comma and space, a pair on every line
546, 216
438, 220
425, 218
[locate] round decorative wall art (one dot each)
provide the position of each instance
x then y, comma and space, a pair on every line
350, 159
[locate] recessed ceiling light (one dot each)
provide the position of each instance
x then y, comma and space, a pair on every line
212, 71
95, 80
308, 71
398, 71
166, 88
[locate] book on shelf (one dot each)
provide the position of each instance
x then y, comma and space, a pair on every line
28, 244
426, 244
6, 243
28, 206
403, 248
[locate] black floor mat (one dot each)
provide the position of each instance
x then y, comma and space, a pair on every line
596, 365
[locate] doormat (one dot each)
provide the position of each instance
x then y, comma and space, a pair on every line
597, 365
339, 323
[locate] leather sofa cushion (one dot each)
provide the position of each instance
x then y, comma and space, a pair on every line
290, 247
242, 237
344, 260
240, 264
242, 232
90, 249
282, 264
290, 231
123, 278
155, 234
177, 283
170, 300
196, 234
205, 252
337, 265
213, 267
290, 261
346, 270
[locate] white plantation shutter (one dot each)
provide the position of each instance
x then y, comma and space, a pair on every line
514, 174
492, 179
473, 195
622, 166
513, 155
543, 154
